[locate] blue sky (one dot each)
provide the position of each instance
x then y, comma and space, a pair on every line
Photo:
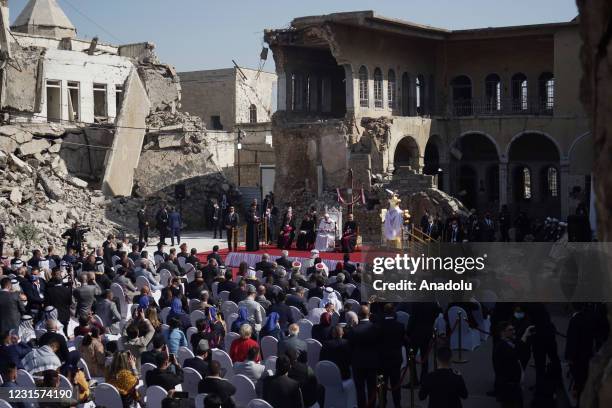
203, 34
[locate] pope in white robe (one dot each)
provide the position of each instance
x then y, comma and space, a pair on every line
326, 236
394, 220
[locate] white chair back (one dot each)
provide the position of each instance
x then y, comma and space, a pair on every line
144, 369
245, 390
39, 332
98, 319
313, 302
107, 396
25, 379
349, 287
195, 316
191, 379
119, 294
199, 400
338, 393
224, 360
403, 317
470, 339
224, 296
229, 339
82, 364
313, 349
158, 260
215, 288
155, 395
228, 307
194, 304
259, 403
64, 383
269, 346
164, 329
229, 320
4, 404
190, 332
354, 304
183, 354
305, 329
163, 315
440, 325
296, 314
182, 261
141, 282
164, 277
270, 363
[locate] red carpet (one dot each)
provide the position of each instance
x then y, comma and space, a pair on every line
356, 257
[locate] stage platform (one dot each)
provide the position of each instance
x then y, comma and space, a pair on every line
234, 259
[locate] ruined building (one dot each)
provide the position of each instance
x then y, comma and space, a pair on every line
84, 122
491, 116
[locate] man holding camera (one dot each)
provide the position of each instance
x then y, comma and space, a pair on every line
76, 237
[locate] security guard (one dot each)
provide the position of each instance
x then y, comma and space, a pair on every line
445, 386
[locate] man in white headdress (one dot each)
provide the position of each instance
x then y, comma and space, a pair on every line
329, 296
26, 328
50, 313
394, 221
326, 236
322, 269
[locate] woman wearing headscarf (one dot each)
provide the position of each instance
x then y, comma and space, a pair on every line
322, 331
176, 311
243, 318
329, 296
271, 328
26, 329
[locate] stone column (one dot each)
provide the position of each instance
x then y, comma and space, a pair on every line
349, 85
281, 92
503, 183
564, 191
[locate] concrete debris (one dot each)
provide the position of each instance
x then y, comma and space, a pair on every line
16, 133
7, 144
16, 195
163, 86
34, 146
435, 202
166, 141
52, 188
20, 164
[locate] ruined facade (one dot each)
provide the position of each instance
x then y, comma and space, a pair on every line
493, 115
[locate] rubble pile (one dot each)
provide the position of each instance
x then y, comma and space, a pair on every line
37, 190
175, 130
435, 202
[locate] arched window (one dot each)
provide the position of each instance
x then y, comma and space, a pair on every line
525, 185
405, 94
364, 99
252, 114
378, 88
462, 95
419, 94
547, 91
551, 182
493, 93
520, 101
391, 89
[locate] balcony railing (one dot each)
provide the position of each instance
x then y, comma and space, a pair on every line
474, 107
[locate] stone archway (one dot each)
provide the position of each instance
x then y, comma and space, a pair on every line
407, 153
432, 160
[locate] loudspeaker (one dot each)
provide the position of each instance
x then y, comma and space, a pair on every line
179, 192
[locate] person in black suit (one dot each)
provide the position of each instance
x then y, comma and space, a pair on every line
227, 284
297, 299
507, 356
337, 350
443, 379
199, 362
59, 295
34, 289
318, 289
580, 345
231, 225
283, 260
265, 265
152, 356
215, 255
285, 318
347, 265
213, 383
163, 375
239, 293
420, 329
455, 232
11, 307
364, 340
392, 342
279, 390
216, 221
312, 392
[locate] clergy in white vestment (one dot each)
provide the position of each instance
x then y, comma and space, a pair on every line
394, 220
326, 236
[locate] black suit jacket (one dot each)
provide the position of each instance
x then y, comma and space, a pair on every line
12, 309
164, 378
227, 285
297, 301
338, 351
318, 292
215, 256
364, 340
392, 341
284, 314
284, 262
265, 266
60, 297
197, 364
282, 392
223, 388
422, 318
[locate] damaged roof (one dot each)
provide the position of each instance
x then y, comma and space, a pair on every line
45, 13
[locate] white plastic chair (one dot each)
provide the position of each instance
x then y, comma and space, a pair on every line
349, 287
270, 363
190, 332
183, 354
98, 319
313, 349
313, 302
141, 282
164, 329
354, 304
305, 329
484, 324
269, 346
259, 403
470, 338
199, 400
245, 390
155, 395
191, 379
229, 339
195, 316
229, 321
77, 342
144, 369
296, 314
194, 304
338, 393
402, 317
164, 277
4, 404
440, 325
228, 307
224, 360
158, 259
64, 383
182, 261
215, 288
224, 296
120, 295
107, 396
163, 315
25, 379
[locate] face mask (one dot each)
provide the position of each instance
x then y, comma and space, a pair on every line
24, 303
519, 315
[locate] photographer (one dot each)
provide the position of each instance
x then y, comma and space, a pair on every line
168, 373
507, 357
76, 236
